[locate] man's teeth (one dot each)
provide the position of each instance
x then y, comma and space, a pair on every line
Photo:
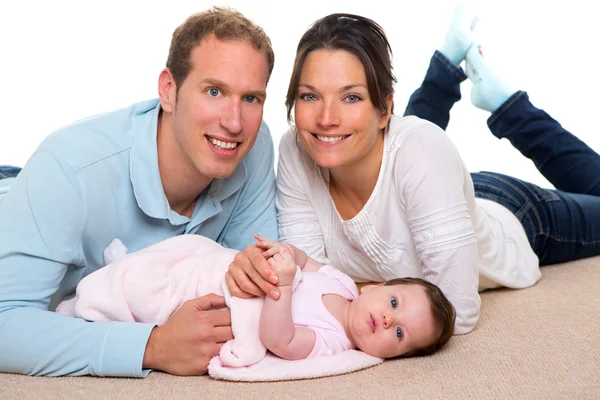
330, 139
223, 145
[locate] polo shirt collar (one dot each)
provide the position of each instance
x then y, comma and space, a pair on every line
145, 174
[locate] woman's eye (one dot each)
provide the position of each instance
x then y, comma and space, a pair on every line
399, 333
214, 92
353, 98
394, 302
308, 97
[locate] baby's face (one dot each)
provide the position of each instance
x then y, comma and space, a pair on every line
388, 321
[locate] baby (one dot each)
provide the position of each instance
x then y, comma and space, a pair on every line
324, 316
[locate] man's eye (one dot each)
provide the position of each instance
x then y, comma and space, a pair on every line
251, 99
399, 333
394, 302
214, 92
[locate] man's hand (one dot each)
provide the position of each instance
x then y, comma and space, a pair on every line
251, 275
190, 338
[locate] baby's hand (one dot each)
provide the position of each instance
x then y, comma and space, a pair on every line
284, 266
272, 247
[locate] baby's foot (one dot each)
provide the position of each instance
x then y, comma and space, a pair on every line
489, 91
246, 348
460, 36
114, 251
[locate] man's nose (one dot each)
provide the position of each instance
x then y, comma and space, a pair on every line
232, 117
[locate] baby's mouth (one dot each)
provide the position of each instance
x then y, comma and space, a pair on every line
372, 323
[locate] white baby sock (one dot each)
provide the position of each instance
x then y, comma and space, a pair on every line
114, 251
246, 348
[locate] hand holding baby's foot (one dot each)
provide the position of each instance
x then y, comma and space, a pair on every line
284, 266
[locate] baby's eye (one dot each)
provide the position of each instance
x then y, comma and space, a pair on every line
394, 302
399, 333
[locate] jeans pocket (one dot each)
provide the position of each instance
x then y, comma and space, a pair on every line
545, 195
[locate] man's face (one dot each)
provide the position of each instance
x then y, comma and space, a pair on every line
218, 109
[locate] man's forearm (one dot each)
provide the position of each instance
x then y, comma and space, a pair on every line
39, 342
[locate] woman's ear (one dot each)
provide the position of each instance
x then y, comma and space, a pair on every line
366, 288
385, 116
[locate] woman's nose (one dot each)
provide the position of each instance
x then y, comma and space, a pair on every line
329, 115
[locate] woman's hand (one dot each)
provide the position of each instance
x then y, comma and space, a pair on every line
251, 275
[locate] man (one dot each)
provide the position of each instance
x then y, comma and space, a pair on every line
199, 160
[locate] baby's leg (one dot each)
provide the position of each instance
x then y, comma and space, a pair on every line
245, 348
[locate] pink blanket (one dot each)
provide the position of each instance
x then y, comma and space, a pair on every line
151, 284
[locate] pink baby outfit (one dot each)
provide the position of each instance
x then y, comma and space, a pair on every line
309, 311
151, 284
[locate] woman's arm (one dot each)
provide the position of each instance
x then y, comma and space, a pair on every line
298, 222
437, 192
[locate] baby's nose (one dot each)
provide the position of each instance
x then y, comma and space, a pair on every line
388, 320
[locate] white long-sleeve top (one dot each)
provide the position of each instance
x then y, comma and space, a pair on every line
422, 220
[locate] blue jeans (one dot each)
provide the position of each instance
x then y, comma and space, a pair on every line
561, 225
7, 171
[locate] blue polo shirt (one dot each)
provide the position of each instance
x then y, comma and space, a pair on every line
85, 185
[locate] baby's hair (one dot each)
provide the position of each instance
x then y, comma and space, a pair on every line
441, 309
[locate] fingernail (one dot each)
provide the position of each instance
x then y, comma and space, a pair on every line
273, 279
274, 294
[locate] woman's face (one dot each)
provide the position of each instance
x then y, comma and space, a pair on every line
335, 118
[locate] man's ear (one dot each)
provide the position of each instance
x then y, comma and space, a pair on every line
366, 288
167, 90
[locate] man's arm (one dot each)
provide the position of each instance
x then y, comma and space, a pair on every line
41, 224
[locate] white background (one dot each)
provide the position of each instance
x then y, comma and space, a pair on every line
64, 60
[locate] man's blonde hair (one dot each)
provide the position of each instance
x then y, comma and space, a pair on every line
225, 24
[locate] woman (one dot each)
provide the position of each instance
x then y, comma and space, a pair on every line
387, 196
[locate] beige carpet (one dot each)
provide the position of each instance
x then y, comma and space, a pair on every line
538, 343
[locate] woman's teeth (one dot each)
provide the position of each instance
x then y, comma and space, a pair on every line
330, 139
